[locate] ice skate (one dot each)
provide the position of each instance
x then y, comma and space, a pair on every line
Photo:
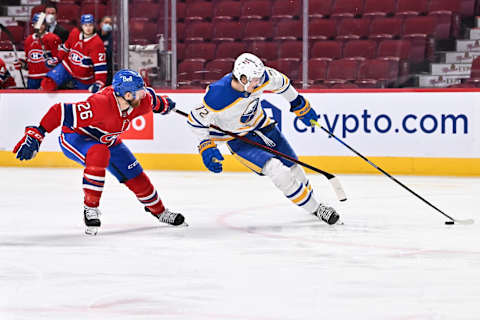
92, 221
169, 217
327, 214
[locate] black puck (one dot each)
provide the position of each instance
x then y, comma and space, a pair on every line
449, 222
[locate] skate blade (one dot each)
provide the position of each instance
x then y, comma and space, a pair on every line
91, 231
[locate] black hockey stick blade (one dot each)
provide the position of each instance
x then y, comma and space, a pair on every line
334, 181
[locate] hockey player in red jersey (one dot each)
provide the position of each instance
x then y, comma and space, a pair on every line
89, 136
41, 51
83, 60
6, 80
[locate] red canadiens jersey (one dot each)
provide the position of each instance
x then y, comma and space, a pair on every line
99, 117
6, 79
84, 59
36, 53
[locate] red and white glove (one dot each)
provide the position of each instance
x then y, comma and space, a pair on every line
20, 64
29, 145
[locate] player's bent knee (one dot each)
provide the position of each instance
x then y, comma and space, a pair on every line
279, 173
98, 155
48, 84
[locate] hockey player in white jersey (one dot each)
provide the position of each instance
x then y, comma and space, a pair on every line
234, 103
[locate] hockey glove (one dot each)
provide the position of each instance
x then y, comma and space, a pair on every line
301, 107
28, 146
51, 62
20, 64
211, 155
95, 87
165, 106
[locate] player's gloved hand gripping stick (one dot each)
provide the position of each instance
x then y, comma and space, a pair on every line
337, 187
452, 220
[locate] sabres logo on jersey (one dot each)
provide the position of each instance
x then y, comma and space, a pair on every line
35, 55
250, 111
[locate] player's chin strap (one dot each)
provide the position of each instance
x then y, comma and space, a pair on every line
468, 221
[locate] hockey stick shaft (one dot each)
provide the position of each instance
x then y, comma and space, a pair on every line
390, 176
11, 39
333, 179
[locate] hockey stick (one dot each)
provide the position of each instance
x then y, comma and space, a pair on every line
11, 39
337, 187
467, 221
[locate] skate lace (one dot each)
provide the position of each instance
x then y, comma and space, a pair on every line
92, 213
325, 212
167, 216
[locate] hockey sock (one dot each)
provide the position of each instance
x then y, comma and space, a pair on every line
146, 193
300, 175
96, 161
48, 84
293, 189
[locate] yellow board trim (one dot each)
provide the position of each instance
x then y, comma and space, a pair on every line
338, 165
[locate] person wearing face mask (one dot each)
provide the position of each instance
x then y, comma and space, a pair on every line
83, 60
90, 136
106, 27
52, 25
235, 103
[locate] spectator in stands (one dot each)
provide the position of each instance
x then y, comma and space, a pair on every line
53, 26
41, 51
83, 60
6, 80
106, 27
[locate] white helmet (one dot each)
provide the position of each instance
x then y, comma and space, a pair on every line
248, 65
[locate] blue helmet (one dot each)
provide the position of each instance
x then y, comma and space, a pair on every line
86, 18
127, 81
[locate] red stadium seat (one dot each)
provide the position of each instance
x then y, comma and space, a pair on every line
145, 10
322, 29
341, 71
409, 8
444, 5
200, 51
291, 50
386, 28
317, 70
288, 30
394, 49
227, 31
18, 34
181, 11
285, 9
327, 50
98, 10
198, 11
227, 10
216, 69
380, 71
289, 67
419, 27
360, 49
467, 7
446, 12
258, 30
346, 85
198, 31
180, 31
264, 50
353, 29
68, 12
256, 10
347, 8
379, 8
180, 51
319, 8
5, 45
143, 30
190, 71
229, 50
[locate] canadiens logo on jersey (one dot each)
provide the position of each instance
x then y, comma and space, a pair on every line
250, 111
77, 58
35, 56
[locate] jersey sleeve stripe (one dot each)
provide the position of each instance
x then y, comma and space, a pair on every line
69, 115
191, 117
102, 67
154, 96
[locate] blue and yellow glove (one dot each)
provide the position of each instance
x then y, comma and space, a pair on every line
212, 158
301, 107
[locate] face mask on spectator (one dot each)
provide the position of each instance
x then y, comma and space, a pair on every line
50, 18
106, 27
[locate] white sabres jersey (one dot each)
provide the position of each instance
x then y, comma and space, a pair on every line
238, 112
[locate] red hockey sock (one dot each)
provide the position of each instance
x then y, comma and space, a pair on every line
48, 84
146, 193
96, 161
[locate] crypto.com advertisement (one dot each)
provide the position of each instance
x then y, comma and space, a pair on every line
396, 124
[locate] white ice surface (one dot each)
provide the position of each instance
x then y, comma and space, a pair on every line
248, 254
